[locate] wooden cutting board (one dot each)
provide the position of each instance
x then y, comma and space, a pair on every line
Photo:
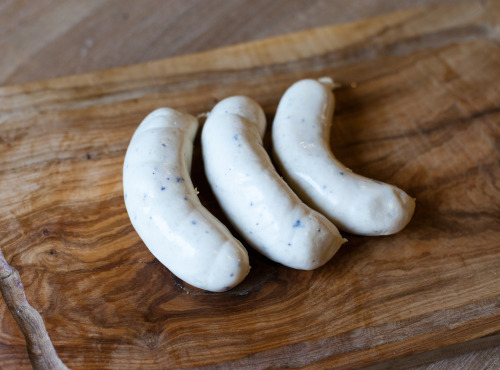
419, 107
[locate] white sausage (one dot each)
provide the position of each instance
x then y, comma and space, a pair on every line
255, 199
300, 135
166, 212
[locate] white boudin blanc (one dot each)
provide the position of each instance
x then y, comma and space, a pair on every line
300, 137
166, 212
256, 200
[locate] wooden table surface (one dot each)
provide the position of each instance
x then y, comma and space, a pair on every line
47, 38
50, 38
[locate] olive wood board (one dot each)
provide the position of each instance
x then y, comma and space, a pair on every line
418, 106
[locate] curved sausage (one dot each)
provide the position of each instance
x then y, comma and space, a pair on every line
166, 212
259, 204
300, 136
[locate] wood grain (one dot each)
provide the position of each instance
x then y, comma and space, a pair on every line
50, 38
418, 108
